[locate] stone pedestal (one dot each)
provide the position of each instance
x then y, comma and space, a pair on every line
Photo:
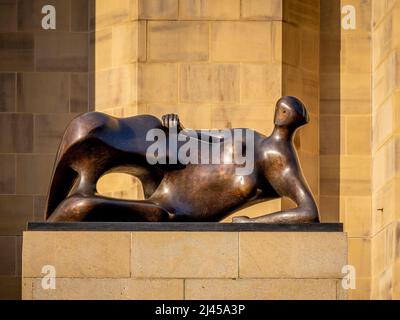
184, 261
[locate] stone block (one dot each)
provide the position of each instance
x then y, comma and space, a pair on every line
256, 116
80, 15
341, 293
384, 208
158, 9
49, 129
157, 82
382, 286
291, 44
355, 86
205, 83
355, 174
347, 107
8, 256
184, 255
283, 255
309, 140
39, 205
330, 46
177, 41
27, 289
362, 291
209, 9
396, 282
30, 14
101, 40
8, 15
34, 173
356, 53
7, 174
59, 51
262, 9
46, 92
250, 41
18, 259
384, 165
259, 83
15, 212
155, 289
383, 250
310, 50
79, 96
142, 41
363, 10
108, 289
332, 135
77, 255
115, 87
260, 289
329, 206
358, 135
7, 92
108, 13
386, 79
16, 133
360, 256
125, 44
382, 123
10, 288
17, 52
358, 216
300, 12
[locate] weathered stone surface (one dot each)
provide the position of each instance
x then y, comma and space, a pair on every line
62, 51
105, 289
178, 41
262, 9
184, 255
209, 83
261, 289
158, 9
242, 41
74, 254
157, 82
209, 9
292, 255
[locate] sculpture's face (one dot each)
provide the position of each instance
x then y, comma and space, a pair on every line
290, 111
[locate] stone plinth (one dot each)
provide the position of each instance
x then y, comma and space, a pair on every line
184, 261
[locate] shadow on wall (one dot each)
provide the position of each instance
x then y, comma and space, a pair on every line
44, 82
330, 109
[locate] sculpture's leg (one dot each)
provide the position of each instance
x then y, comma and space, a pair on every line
97, 208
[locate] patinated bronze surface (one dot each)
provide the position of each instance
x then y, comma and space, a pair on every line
95, 144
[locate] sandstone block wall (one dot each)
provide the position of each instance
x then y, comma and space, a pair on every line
385, 243
43, 85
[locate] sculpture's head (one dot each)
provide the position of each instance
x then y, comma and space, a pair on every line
290, 112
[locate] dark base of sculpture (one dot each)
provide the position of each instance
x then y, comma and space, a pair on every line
184, 226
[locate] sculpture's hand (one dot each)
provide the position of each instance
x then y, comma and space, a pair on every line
172, 121
243, 219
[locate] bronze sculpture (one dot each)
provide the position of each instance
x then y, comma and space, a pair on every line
95, 144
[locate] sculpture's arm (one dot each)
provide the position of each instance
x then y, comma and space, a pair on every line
172, 121
289, 183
